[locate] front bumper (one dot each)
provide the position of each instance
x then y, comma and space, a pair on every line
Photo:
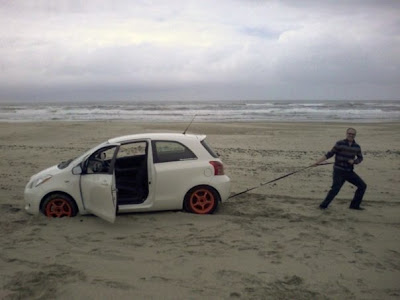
32, 200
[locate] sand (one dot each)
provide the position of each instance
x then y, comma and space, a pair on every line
271, 243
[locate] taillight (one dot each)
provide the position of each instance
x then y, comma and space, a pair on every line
218, 167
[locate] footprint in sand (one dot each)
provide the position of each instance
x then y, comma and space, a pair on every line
41, 284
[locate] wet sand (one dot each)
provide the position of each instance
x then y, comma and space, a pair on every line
270, 243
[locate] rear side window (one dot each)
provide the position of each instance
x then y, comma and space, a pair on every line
166, 151
209, 149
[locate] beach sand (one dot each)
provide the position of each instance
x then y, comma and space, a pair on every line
270, 243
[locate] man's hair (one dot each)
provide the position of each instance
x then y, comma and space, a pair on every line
351, 128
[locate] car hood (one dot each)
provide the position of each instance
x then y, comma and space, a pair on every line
54, 170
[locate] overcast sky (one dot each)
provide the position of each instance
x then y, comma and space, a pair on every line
199, 50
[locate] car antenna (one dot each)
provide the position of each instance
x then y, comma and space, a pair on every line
189, 124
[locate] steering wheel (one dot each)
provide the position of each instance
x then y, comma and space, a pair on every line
99, 165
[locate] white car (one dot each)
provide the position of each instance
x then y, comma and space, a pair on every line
134, 173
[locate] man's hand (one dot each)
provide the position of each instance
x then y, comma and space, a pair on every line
351, 161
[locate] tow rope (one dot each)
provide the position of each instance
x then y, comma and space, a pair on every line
276, 179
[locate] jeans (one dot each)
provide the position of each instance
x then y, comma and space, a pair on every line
339, 178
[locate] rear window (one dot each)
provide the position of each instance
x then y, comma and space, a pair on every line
209, 149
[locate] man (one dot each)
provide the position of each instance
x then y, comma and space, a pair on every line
348, 153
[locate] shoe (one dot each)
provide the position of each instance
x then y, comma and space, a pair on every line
323, 207
357, 208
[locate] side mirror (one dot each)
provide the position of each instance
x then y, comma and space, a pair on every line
77, 170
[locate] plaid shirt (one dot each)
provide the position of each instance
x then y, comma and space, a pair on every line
345, 152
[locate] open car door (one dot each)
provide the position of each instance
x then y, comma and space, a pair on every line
97, 183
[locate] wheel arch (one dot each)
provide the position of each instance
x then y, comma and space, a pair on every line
57, 192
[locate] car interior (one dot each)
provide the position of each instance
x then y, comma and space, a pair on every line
131, 177
131, 174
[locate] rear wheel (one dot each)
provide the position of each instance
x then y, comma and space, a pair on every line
201, 200
58, 206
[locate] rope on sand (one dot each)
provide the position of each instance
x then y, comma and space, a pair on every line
276, 179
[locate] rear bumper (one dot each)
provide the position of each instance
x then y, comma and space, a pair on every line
223, 185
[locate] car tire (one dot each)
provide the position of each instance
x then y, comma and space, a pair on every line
58, 206
201, 200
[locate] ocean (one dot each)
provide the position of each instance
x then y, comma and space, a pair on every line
205, 111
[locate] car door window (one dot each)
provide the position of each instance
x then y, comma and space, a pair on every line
167, 151
100, 161
132, 149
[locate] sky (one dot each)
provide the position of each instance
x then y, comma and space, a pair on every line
199, 50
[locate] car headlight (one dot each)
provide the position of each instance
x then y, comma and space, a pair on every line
40, 180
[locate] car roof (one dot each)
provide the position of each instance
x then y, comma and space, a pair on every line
157, 136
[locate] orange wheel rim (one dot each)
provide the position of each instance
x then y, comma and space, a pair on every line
58, 208
202, 201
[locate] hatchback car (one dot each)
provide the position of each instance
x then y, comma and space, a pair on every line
134, 173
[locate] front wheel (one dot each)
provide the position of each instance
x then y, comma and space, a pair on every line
58, 206
201, 200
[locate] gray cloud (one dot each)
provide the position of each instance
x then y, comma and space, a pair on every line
85, 50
